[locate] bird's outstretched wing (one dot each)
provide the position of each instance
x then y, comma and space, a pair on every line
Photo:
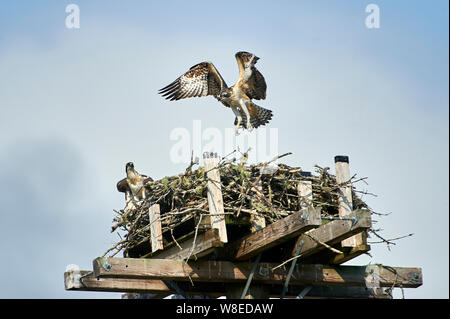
201, 80
122, 185
253, 82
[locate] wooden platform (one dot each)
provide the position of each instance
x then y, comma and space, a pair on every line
300, 255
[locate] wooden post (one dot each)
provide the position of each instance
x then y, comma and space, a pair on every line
215, 199
345, 196
304, 189
155, 228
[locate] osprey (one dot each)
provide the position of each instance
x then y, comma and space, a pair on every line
203, 79
134, 183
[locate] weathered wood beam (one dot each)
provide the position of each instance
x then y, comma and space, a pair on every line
332, 233
214, 194
205, 243
345, 197
348, 255
161, 290
276, 233
89, 282
225, 271
156, 239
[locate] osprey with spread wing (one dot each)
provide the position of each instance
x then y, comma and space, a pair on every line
203, 79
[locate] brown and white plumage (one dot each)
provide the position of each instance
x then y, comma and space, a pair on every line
252, 80
203, 79
134, 183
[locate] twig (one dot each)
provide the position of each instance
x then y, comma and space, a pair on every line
195, 238
114, 247
173, 238
324, 244
286, 261
387, 241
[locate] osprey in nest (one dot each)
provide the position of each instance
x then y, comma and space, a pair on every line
134, 184
203, 79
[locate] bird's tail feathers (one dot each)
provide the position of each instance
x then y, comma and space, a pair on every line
258, 116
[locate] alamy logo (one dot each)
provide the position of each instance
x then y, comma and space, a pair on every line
73, 17
262, 142
373, 19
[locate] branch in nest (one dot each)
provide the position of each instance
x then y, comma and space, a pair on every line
387, 241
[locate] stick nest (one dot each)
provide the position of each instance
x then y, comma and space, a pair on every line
265, 189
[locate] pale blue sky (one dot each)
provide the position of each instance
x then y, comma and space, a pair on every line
76, 105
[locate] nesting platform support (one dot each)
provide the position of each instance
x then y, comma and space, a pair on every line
274, 234
238, 272
215, 263
357, 244
155, 228
89, 282
214, 191
140, 274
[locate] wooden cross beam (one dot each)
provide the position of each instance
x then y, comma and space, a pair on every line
332, 233
191, 247
225, 271
161, 290
83, 280
276, 233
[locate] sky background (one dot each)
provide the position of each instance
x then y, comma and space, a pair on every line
77, 104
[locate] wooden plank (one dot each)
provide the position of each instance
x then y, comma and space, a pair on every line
205, 243
225, 271
160, 290
276, 233
214, 193
156, 239
352, 253
345, 196
332, 233
91, 283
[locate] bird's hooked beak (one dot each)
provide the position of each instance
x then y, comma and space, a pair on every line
255, 58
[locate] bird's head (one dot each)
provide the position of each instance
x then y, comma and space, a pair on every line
247, 57
225, 94
129, 166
